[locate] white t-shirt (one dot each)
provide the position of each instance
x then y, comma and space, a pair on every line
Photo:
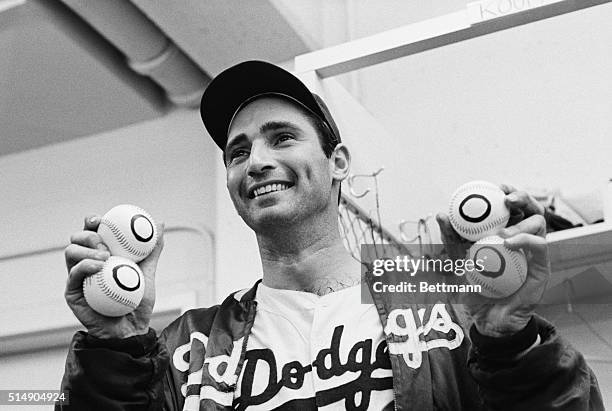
307, 352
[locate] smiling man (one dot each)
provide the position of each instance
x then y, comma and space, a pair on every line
300, 338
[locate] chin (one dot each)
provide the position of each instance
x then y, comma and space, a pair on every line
266, 218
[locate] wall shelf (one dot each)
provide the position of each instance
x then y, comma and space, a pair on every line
575, 250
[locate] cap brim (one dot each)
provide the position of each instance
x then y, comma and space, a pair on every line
231, 88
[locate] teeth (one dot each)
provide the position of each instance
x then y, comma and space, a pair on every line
269, 188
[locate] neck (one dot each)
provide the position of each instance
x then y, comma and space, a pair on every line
307, 259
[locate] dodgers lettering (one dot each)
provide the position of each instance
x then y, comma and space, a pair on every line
328, 364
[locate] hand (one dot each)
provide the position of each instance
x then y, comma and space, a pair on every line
85, 256
527, 231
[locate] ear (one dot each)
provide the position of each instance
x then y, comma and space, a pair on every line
340, 161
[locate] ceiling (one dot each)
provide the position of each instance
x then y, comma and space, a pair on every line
63, 77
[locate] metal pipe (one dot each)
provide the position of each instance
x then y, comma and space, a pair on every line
148, 50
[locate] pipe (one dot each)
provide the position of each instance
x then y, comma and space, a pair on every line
147, 49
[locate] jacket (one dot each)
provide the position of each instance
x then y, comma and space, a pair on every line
196, 361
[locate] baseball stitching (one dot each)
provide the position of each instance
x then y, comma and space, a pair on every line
112, 294
471, 230
486, 227
476, 279
121, 238
517, 265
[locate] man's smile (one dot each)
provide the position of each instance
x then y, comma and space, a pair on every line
258, 190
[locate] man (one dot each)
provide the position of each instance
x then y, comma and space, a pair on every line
300, 339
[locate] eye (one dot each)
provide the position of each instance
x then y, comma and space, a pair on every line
284, 137
237, 154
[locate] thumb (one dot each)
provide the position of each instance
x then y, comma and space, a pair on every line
151, 260
528, 242
160, 242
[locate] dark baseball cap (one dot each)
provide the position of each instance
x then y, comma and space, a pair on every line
235, 86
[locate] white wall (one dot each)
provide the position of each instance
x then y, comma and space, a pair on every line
41, 370
528, 106
330, 22
237, 255
167, 166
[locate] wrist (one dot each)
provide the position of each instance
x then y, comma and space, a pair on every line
497, 330
508, 346
136, 345
120, 331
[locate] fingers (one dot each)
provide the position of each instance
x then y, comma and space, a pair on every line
523, 202
151, 260
88, 239
160, 241
507, 188
85, 255
91, 222
536, 245
75, 253
79, 272
86, 244
449, 235
530, 236
159, 246
520, 203
455, 245
536, 225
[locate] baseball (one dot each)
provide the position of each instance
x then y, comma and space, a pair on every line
128, 231
477, 210
504, 270
117, 289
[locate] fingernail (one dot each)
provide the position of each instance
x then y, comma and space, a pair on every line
103, 255
512, 197
92, 220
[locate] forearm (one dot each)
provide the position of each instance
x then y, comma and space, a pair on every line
115, 374
524, 374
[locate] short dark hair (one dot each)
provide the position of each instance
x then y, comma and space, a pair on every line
327, 138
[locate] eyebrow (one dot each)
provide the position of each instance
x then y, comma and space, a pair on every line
266, 127
276, 125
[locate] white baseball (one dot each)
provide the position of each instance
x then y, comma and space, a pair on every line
128, 231
504, 272
477, 210
117, 289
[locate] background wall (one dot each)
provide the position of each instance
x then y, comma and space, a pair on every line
530, 106
166, 166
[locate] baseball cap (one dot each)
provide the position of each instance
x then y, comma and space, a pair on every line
235, 86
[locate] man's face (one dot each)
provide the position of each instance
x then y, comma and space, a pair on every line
277, 172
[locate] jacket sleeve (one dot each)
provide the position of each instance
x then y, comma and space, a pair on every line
116, 374
551, 376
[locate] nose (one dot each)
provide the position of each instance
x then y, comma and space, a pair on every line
260, 159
